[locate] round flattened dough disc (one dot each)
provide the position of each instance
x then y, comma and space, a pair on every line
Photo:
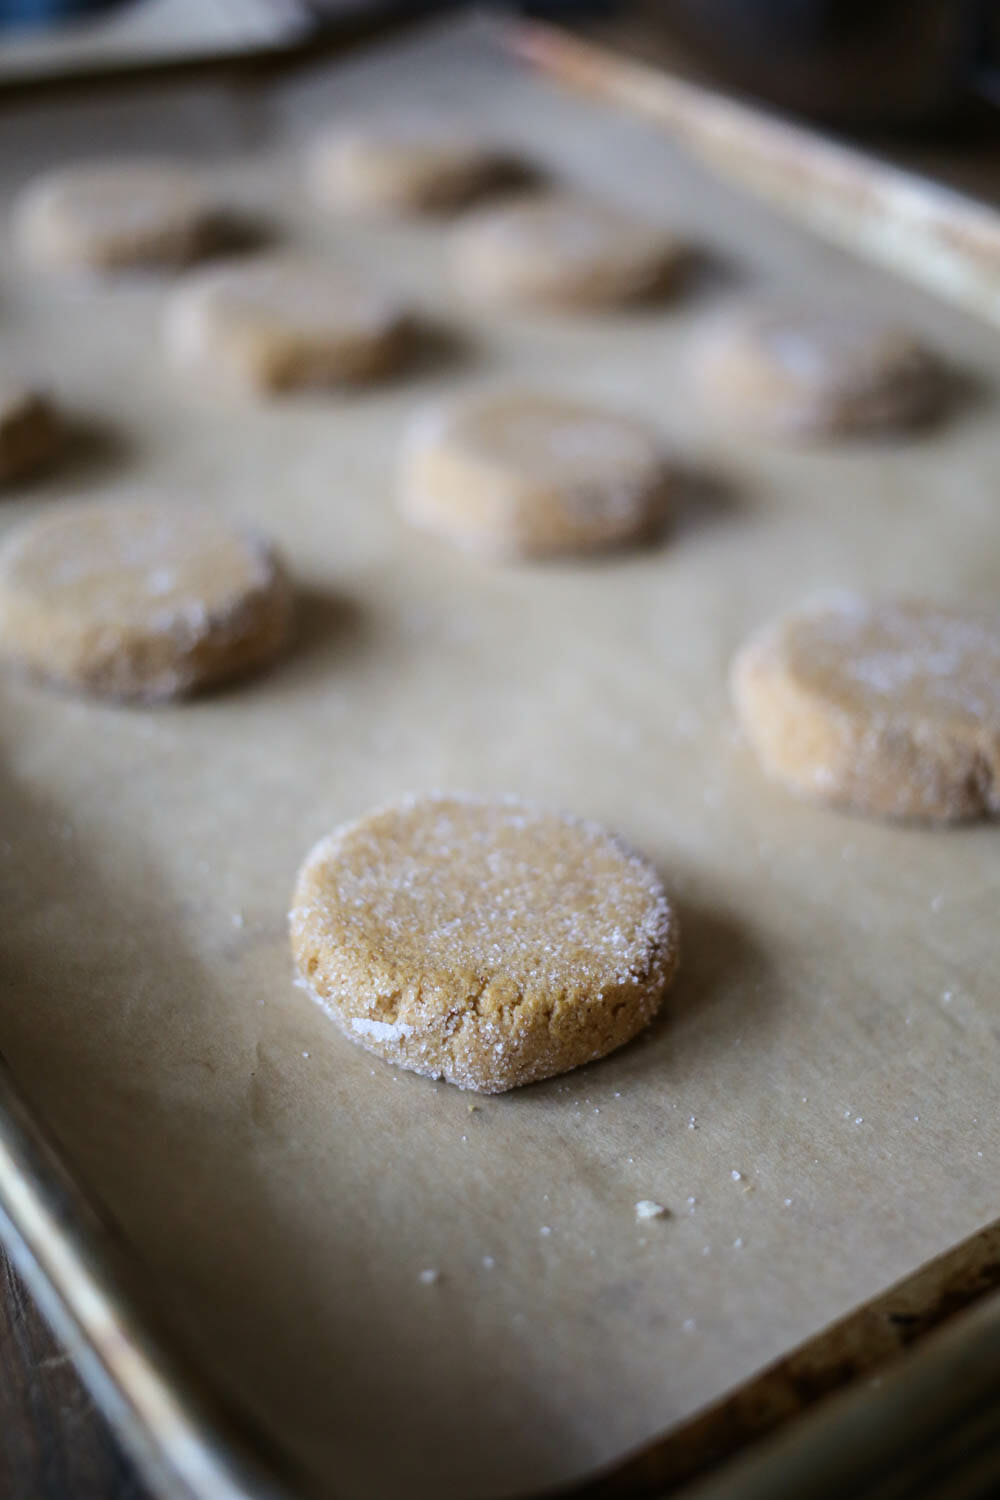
519, 475
139, 600
488, 943
797, 373
400, 168
112, 215
279, 322
30, 431
892, 709
561, 250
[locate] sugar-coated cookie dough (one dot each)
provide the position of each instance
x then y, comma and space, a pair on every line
815, 373
513, 474
889, 708
560, 249
116, 214
282, 321
139, 600
400, 167
30, 431
488, 943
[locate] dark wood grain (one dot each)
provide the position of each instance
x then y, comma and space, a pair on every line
54, 1444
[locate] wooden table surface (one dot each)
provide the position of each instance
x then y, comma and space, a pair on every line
54, 1444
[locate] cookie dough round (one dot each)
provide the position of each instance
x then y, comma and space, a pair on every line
813, 373
30, 431
139, 600
892, 709
560, 250
520, 475
113, 215
488, 943
281, 322
400, 167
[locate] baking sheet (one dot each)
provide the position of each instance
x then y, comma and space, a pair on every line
157, 31
832, 1036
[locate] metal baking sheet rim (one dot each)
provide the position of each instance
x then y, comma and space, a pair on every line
944, 1320
190, 1445
945, 241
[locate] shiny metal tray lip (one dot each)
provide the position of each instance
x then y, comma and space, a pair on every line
885, 1409
866, 1398
89, 1286
943, 240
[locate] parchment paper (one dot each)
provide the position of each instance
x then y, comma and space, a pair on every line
833, 1035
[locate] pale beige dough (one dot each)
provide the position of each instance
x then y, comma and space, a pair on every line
107, 216
892, 709
516, 474
279, 322
562, 250
488, 943
139, 600
30, 431
400, 167
802, 373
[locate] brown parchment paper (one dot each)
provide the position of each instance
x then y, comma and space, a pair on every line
833, 1036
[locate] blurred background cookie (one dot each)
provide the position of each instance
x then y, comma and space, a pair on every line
277, 322
402, 167
139, 600
562, 250
517, 474
111, 215
806, 372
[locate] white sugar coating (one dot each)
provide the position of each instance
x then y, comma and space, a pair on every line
489, 943
381, 1031
139, 599
889, 706
123, 555
529, 434
844, 351
933, 659
824, 346
647, 1208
